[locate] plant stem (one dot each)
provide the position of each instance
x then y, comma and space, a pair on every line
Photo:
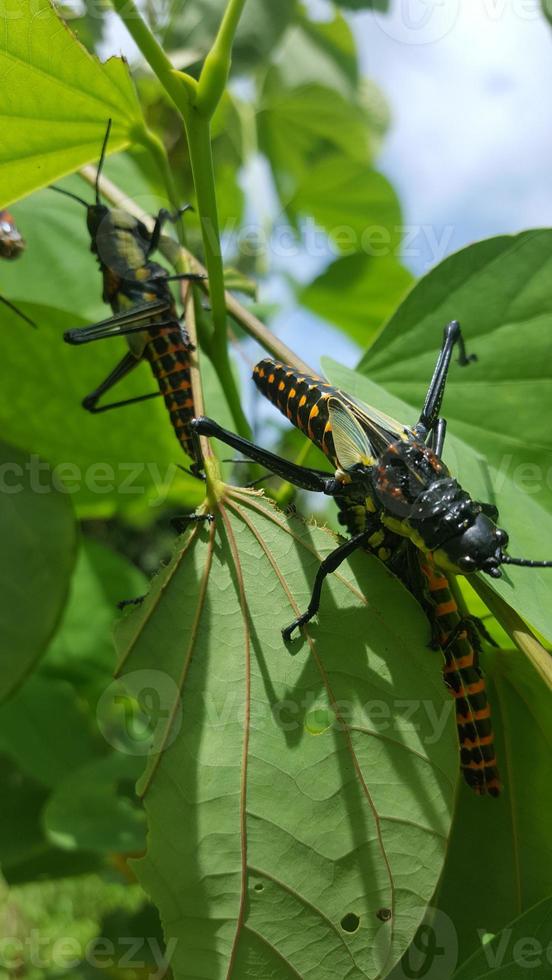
197, 102
216, 69
153, 53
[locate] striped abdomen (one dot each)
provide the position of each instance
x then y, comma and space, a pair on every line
167, 348
168, 352
302, 399
458, 641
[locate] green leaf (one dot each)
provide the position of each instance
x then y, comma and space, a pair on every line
47, 730
298, 127
21, 836
512, 855
38, 534
526, 590
357, 293
499, 289
355, 204
323, 52
262, 829
547, 9
58, 100
82, 649
523, 945
92, 809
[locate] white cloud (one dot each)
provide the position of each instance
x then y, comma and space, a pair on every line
470, 143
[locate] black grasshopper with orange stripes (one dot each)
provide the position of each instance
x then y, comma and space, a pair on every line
388, 474
457, 636
144, 311
392, 488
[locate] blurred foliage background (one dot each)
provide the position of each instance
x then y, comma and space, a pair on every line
296, 145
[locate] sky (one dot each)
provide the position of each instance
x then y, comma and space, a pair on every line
469, 85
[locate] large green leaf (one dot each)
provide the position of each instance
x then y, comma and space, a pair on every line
92, 809
56, 100
357, 293
320, 51
21, 835
354, 203
37, 530
522, 946
48, 730
527, 522
82, 650
298, 127
499, 289
290, 792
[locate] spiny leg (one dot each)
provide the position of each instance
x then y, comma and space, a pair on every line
122, 324
163, 216
120, 371
329, 565
434, 398
437, 437
181, 523
299, 476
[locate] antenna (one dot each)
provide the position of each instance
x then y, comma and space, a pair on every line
525, 562
11, 306
102, 160
75, 197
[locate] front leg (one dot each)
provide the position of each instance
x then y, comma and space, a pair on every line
299, 476
329, 565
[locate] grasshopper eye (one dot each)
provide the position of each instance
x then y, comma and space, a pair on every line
466, 564
502, 538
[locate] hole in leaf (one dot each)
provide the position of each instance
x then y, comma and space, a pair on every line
350, 922
384, 915
259, 887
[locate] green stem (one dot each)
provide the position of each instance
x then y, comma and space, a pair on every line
159, 154
216, 69
197, 102
199, 140
154, 54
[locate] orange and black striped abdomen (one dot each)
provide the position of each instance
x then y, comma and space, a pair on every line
168, 352
302, 399
458, 641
